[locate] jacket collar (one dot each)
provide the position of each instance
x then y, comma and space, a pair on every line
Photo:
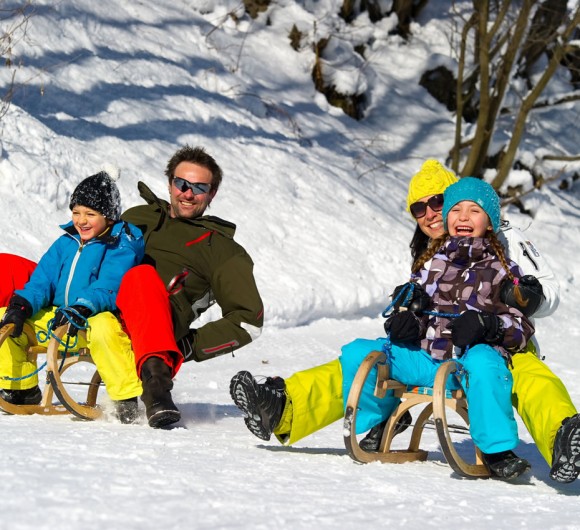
110, 236
467, 248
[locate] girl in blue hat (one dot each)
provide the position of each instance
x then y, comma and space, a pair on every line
461, 274
538, 394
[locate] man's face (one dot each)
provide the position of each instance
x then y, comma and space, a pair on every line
187, 204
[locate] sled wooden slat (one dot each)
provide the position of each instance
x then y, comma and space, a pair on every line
460, 466
351, 443
55, 387
435, 404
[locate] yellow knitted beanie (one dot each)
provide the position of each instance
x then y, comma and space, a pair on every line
431, 179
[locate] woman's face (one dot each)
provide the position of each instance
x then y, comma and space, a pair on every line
467, 219
431, 224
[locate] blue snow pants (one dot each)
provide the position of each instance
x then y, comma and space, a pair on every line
486, 380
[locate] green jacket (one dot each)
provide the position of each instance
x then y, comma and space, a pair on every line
215, 269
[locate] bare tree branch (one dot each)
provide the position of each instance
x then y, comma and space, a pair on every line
518, 196
558, 52
13, 28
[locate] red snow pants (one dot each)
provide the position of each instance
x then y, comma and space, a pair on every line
142, 300
15, 271
146, 314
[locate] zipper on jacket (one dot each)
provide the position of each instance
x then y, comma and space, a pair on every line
72, 271
527, 255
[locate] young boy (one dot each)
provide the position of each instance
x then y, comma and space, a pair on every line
76, 282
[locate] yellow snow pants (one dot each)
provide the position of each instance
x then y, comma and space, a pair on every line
109, 345
315, 400
541, 400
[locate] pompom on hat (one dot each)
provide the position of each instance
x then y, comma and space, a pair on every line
432, 179
100, 193
477, 191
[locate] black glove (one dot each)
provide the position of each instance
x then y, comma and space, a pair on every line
403, 326
475, 327
530, 289
18, 310
419, 301
74, 315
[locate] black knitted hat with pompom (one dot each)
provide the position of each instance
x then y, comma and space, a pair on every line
100, 193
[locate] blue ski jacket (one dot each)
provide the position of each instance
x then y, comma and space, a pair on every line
87, 274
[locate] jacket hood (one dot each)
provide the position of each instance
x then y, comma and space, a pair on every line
209, 222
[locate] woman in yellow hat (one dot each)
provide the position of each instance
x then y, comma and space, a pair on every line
307, 401
539, 396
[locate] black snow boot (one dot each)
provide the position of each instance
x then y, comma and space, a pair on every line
261, 403
566, 457
372, 441
127, 410
157, 384
30, 396
505, 465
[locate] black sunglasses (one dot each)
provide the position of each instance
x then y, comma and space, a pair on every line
197, 188
419, 208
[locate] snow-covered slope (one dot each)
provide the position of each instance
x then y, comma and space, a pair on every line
319, 203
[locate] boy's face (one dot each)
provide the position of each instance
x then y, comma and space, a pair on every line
88, 223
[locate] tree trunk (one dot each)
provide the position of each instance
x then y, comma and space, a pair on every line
548, 18
460, 97
558, 53
491, 98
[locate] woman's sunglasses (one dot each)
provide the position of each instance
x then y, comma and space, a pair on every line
197, 188
419, 208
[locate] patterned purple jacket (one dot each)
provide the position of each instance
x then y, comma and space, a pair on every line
466, 274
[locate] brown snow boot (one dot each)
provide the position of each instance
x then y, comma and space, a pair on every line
157, 384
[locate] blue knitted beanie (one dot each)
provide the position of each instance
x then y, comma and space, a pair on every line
474, 190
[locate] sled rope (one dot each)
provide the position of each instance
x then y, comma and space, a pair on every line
42, 337
7, 378
407, 292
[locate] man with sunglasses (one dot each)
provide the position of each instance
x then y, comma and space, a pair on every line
191, 261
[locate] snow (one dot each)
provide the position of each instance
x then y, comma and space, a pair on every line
318, 199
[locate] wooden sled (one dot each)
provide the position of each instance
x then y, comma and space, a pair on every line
436, 400
56, 365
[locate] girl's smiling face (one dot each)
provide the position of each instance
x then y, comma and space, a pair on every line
468, 219
88, 223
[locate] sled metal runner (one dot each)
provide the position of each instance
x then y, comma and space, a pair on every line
56, 364
435, 403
